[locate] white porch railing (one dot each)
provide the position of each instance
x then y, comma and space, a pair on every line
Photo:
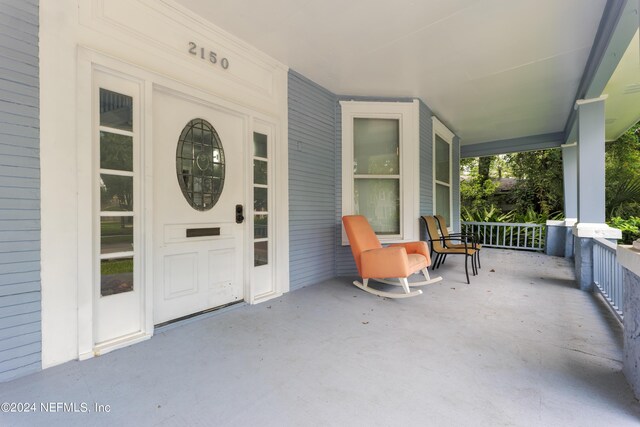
608, 275
526, 236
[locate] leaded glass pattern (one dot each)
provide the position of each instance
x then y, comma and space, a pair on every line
200, 164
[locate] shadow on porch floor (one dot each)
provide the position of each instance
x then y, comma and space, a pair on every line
518, 346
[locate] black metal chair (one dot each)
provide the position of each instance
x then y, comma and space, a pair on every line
437, 244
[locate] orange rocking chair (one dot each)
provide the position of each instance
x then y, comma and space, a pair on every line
396, 262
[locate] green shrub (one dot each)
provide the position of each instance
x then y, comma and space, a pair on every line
494, 214
630, 228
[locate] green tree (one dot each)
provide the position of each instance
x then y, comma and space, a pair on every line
477, 188
540, 180
622, 160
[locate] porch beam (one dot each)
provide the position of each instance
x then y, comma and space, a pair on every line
616, 29
513, 145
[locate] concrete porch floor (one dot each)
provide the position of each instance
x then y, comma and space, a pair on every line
519, 346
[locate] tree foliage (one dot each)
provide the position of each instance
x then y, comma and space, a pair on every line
540, 180
622, 160
537, 194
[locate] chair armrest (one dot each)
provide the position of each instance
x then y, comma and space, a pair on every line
472, 235
384, 262
414, 248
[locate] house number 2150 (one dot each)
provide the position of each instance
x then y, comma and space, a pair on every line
208, 55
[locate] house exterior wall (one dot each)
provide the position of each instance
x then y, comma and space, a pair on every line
426, 161
315, 180
20, 313
455, 184
312, 181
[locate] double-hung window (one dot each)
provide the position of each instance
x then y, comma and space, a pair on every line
380, 177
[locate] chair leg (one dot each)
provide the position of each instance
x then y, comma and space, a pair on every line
466, 268
479, 266
405, 285
474, 259
440, 256
444, 258
473, 264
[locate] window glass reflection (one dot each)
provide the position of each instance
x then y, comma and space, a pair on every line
260, 227
260, 172
260, 199
116, 276
116, 151
379, 201
260, 253
442, 160
259, 145
116, 234
116, 110
116, 193
376, 146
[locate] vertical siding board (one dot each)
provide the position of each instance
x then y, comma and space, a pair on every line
20, 331
311, 181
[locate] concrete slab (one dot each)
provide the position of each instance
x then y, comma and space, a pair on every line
519, 346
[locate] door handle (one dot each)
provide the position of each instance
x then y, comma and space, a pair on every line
239, 214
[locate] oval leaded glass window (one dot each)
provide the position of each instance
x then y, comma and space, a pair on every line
200, 164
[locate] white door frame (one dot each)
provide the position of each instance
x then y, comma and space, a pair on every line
88, 60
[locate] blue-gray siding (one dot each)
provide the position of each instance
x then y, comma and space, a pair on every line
312, 185
455, 185
426, 160
20, 331
426, 164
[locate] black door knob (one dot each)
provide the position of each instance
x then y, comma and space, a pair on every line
239, 214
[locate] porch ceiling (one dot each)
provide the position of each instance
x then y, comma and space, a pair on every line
493, 70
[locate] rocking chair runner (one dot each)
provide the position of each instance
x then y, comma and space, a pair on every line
397, 261
438, 246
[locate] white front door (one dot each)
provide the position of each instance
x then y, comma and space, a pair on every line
198, 150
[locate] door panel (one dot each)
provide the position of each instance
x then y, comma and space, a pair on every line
198, 253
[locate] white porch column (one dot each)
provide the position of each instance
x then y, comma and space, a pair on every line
591, 201
564, 231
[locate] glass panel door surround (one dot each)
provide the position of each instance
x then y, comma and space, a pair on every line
116, 182
260, 200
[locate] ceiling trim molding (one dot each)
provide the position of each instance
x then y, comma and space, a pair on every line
616, 30
514, 145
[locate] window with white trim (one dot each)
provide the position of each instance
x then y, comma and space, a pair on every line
380, 180
442, 143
